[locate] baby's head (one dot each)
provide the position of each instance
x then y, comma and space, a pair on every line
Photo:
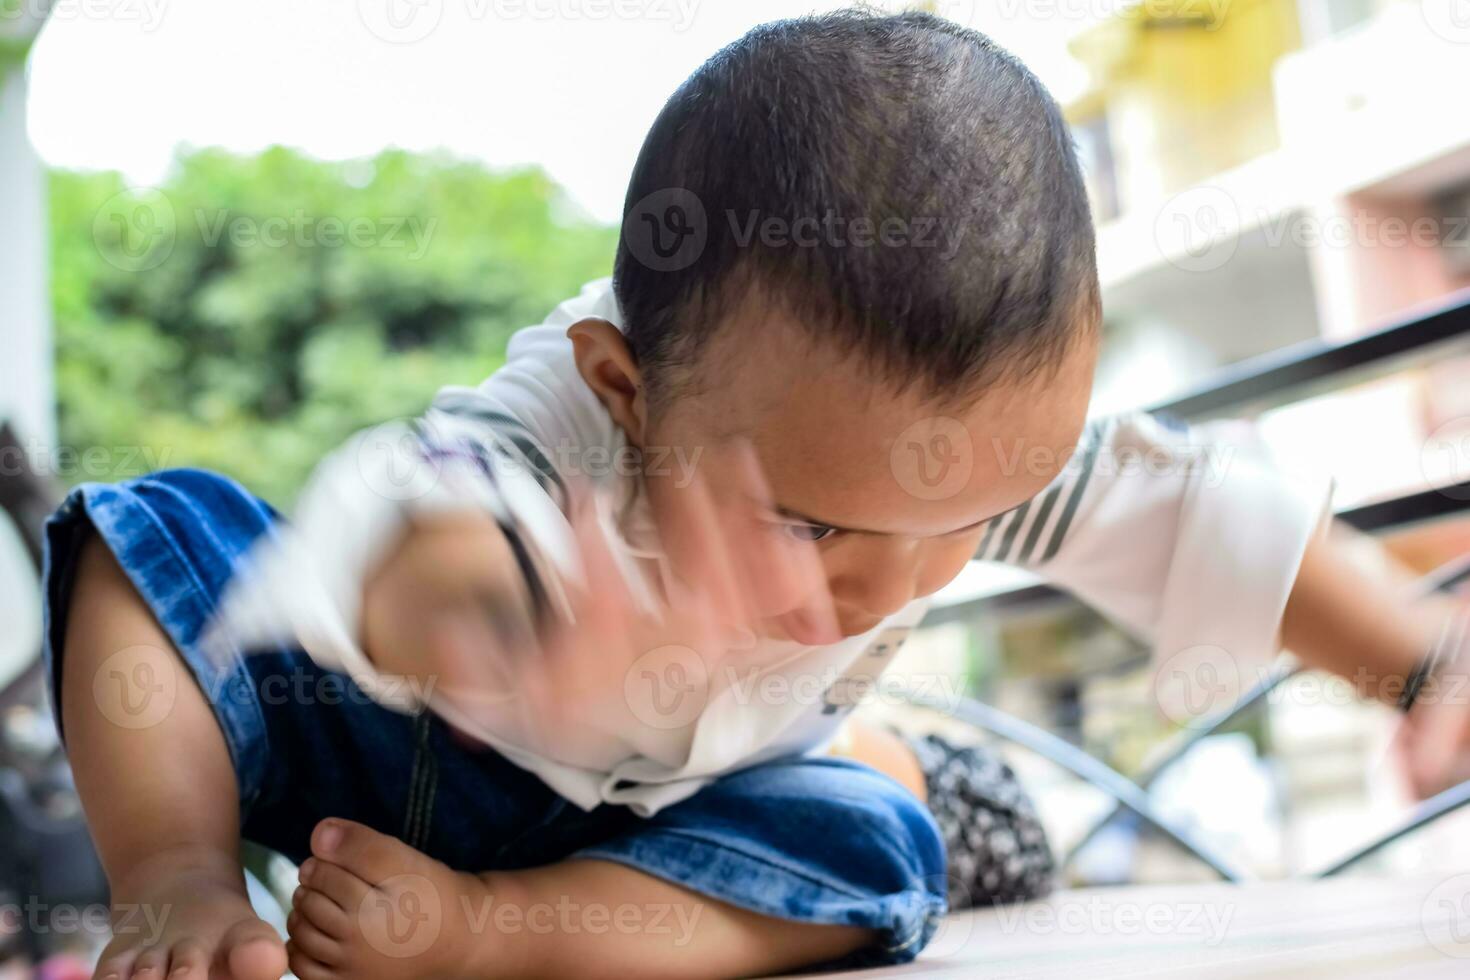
862, 244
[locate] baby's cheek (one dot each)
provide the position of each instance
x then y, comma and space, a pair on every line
944, 558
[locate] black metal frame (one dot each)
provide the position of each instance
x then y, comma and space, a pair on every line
1278, 675
1320, 364
1128, 794
1133, 796
1290, 374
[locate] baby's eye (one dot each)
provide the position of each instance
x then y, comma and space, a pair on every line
807, 532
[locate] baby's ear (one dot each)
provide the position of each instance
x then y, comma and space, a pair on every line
607, 365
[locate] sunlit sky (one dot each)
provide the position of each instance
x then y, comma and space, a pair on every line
571, 85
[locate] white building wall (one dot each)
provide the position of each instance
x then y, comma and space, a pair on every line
27, 393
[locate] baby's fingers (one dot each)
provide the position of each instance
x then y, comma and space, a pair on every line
783, 573
696, 536
1440, 718
471, 661
603, 598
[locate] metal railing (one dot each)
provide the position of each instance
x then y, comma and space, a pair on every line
1293, 373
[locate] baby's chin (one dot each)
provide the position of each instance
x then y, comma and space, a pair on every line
780, 629
858, 629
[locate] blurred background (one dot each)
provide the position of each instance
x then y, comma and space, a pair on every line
233, 233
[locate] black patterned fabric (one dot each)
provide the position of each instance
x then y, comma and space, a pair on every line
996, 848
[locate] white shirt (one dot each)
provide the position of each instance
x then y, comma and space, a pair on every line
1186, 537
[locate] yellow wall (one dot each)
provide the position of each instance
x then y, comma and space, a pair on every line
1186, 85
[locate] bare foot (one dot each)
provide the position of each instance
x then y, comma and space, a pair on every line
370, 906
188, 920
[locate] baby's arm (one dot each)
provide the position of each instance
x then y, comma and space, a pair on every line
422, 558
448, 591
160, 798
1342, 619
1199, 541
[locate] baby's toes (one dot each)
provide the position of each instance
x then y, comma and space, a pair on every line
306, 968
151, 964
189, 960
311, 941
252, 951
341, 887
372, 856
115, 964
322, 912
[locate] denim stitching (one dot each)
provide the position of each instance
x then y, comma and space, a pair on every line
109, 495
906, 940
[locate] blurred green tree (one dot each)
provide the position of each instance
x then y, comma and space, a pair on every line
253, 311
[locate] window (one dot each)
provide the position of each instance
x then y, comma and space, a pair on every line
1095, 149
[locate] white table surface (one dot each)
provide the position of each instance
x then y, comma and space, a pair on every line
1343, 929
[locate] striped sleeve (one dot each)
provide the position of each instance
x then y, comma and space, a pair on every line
1033, 533
1186, 536
489, 429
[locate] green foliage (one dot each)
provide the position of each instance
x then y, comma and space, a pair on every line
252, 312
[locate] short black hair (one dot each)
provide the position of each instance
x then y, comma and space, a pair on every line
957, 246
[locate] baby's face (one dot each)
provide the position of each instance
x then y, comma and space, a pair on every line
894, 488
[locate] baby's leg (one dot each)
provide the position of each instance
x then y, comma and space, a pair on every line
159, 791
880, 748
780, 866
372, 907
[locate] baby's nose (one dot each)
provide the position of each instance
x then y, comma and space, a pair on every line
873, 595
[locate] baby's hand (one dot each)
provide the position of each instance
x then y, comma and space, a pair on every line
1435, 736
449, 608
736, 574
